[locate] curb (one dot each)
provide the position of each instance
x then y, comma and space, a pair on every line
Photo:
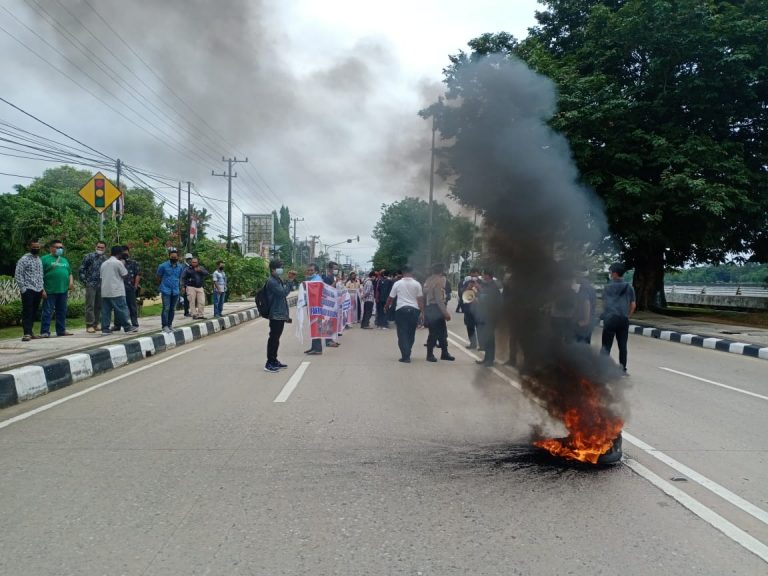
722, 344
20, 384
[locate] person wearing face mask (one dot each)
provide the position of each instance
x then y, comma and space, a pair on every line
90, 275
113, 274
29, 279
219, 289
277, 294
168, 277
131, 281
57, 282
471, 282
330, 279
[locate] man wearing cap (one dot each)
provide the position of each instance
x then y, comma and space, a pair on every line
168, 278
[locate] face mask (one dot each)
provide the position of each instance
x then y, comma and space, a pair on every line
123, 256
59, 251
174, 260
279, 271
34, 250
99, 251
221, 267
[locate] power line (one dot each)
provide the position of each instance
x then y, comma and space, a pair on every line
17, 175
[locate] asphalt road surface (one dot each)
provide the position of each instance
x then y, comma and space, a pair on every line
198, 462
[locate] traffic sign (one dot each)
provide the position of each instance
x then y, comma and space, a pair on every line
99, 192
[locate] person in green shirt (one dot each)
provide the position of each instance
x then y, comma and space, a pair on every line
57, 281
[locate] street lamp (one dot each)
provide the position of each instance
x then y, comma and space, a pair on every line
347, 241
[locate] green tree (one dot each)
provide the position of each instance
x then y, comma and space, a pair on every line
282, 234
664, 104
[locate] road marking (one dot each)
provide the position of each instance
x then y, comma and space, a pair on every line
747, 392
55, 403
708, 515
710, 485
290, 386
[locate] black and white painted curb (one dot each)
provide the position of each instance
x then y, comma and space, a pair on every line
722, 344
39, 378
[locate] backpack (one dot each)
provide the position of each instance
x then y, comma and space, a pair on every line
262, 302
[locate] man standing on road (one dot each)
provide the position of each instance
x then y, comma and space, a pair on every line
486, 310
277, 298
192, 279
410, 306
169, 278
90, 275
312, 275
471, 282
368, 299
113, 273
183, 294
29, 279
618, 305
436, 314
330, 279
219, 289
57, 282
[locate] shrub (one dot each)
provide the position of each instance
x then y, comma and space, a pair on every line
10, 314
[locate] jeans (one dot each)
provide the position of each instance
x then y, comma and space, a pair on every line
367, 313
169, 305
120, 308
30, 306
92, 305
275, 331
56, 302
617, 326
218, 302
406, 319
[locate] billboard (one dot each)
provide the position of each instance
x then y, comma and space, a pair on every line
258, 234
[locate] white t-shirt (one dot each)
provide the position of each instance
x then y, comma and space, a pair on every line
407, 291
112, 272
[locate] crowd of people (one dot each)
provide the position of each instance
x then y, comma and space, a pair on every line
112, 287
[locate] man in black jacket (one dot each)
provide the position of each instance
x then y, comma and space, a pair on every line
277, 299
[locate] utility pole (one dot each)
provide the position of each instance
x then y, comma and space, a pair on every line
313, 240
118, 169
293, 256
228, 174
178, 218
431, 193
189, 214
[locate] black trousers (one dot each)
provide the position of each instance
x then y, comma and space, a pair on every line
486, 334
618, 327
438, 334
367, 313
275, 331
406, 320
30, 309
381, 316
469, 322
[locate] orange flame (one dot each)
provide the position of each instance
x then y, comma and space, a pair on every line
591, 429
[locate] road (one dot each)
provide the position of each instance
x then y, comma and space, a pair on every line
186, 464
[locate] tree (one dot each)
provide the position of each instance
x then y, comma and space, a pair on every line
402, 234
664, 105
282, 234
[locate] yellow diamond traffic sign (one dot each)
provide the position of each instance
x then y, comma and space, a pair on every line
99, 192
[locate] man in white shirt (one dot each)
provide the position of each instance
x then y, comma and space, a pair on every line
113, 293
410, 306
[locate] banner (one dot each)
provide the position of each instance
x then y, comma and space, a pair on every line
319, 303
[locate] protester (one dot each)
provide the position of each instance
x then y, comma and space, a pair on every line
312, 275
368, 301
90, 275
410, 306
436, 314
29, 279
618, 305
353, 285
471, 282
291, 284
183, 294
330, 279
168, 277
192, 279
131, 280
113, 273
277, 300
219, 289
382, 288
486, 310
392, 278
57, 282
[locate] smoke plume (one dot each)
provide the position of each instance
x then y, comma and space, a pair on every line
508, 163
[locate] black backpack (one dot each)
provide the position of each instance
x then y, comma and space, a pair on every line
262, 302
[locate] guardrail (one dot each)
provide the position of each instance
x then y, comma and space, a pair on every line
727, 290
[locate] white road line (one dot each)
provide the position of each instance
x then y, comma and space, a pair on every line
290, 386
747, 392
710, 485
709, 516
55, 403
457, 336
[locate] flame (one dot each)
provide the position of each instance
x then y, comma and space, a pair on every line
591, 429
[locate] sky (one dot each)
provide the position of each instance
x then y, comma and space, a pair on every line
321, 97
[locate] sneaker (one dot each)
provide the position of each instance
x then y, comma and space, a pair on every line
106, 332
431, 359
447, 357
45, 335
281, 365
311, 352
167, 329
404, 360
132, 330
26, 338
90, 330
270, 368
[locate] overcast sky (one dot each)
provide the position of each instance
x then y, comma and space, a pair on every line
321, 96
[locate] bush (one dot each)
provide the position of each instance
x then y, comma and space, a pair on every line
76, 309
10, 314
